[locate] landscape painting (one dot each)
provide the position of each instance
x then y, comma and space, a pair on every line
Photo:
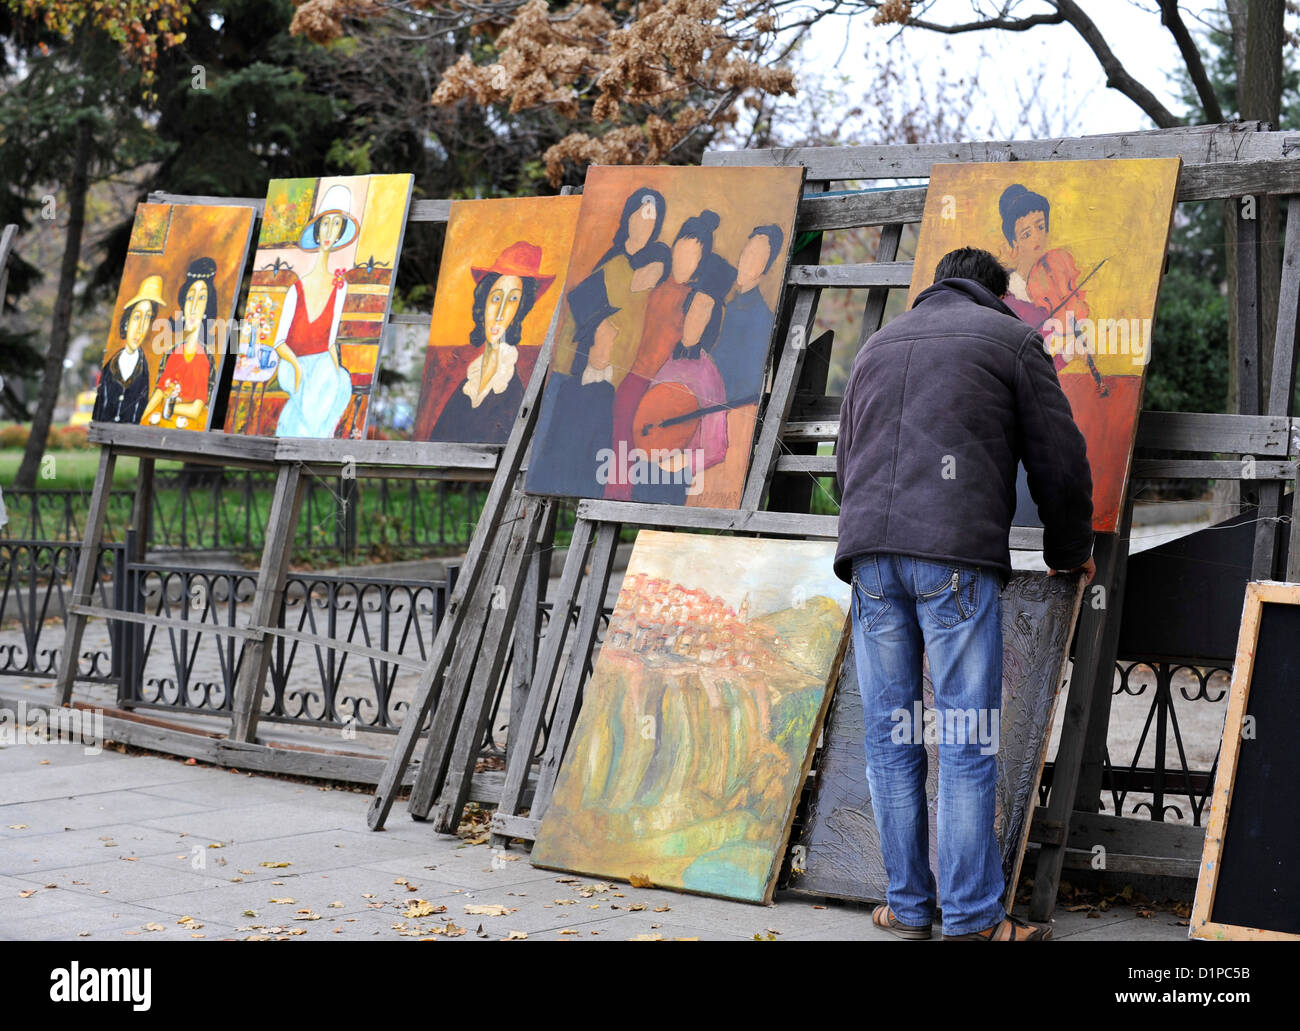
503, 265
665, 334
841, 843
314, 322
700, 717
168, 331
1084, 244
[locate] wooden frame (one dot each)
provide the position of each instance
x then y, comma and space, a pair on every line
1258, 594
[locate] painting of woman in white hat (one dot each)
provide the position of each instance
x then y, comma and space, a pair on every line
310, 369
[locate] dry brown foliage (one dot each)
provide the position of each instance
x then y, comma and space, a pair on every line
635, 80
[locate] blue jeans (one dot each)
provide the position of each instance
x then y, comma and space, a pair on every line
902, 605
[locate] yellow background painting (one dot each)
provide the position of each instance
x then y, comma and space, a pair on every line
1113, 218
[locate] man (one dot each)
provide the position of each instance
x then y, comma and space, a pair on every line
940, 406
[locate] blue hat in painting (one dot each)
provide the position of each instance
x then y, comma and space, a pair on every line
337, 200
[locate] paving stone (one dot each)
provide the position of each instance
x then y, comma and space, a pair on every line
33, 856
128, 882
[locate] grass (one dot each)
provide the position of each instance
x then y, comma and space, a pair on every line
73, 470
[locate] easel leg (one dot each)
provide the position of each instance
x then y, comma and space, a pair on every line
566, 706
452, 697
526, 725
83, 585
455, 789
1094, 671
267, 599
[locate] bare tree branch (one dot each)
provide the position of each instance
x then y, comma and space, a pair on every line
1173, 21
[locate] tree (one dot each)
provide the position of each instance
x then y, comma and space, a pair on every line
73, 115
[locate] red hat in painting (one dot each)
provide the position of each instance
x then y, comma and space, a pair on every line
519, 259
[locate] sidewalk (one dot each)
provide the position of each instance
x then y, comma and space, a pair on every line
111, 846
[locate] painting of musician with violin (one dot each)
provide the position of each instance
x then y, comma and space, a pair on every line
1083, 243
690, 280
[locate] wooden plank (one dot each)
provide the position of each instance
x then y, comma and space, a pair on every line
905, 205
421, 210
526, 725
1282, 382
335, 644
768, 446
171, 622
1194, 144
1248, 320
505, 826
211, 446
1246, 434
453, 793
871, 273
1093, 673
813, 430
528, 625
268, 599
874, 313
83, 584
568, 700
383, 454
796, 524
1175, 468
454, 691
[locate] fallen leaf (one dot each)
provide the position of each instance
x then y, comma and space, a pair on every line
216, 844
662, 909
335, 905
249, 912
275, 865
651, 938
154, 927
640, 880
492, 910
567, 930
27, 894
420, 907
18, 826
191, 762
282, 902
515, 936
308, 916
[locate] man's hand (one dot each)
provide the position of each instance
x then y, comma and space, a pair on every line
1089, 569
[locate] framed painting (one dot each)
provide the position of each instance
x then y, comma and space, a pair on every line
1084, 246
321, 292
699, 721
666, 329
839, 851
167, 336
1248, 886
502, 272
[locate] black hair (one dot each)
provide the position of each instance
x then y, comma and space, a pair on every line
154, 309
633, 204
775, 238
973, 263
528, 297
200, 270
1016, 202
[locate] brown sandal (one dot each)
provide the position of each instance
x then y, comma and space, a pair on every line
1009, 929
883, 917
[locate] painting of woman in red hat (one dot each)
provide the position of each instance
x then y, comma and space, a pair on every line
494, 303
484, 406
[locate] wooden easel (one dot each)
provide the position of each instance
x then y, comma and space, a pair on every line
294, 461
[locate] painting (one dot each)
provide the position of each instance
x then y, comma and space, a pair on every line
665, 334
1083, 243
502, 270
841, 844
314, 321
170, 322
700, 717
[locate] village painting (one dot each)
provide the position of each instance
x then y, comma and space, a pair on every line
698, 723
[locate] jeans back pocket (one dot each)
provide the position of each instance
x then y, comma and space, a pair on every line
954, 600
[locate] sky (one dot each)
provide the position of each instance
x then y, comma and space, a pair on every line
1075, 82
